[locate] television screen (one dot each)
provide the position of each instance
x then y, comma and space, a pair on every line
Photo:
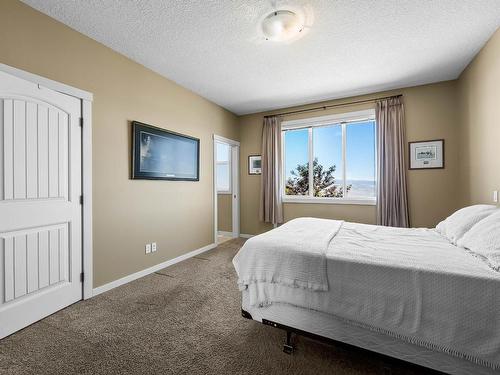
159, 154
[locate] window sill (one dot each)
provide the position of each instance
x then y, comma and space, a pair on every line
362, 202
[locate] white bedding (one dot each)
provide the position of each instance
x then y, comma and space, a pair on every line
408, 283
293, 255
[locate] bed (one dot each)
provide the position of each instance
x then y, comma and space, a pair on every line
412, 294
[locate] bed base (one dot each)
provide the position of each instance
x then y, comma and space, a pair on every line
288, 347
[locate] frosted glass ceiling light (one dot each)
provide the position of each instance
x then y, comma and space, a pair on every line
282, 25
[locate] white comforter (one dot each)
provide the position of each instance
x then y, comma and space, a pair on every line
293, 255
409, 283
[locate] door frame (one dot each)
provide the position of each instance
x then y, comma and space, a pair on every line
235, 184
86, 99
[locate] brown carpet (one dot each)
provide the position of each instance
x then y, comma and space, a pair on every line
184, 319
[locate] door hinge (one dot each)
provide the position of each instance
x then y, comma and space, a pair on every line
82, 277
81, 122
81, 199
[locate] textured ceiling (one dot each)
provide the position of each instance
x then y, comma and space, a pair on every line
213, 48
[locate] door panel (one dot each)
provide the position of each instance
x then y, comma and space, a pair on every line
40, 213
35, 151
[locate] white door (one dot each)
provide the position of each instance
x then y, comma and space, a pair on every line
40, 211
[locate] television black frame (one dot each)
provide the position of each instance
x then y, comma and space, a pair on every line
137, 127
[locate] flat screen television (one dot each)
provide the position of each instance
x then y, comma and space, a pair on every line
159, 154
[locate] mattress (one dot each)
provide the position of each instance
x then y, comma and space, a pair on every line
410, 284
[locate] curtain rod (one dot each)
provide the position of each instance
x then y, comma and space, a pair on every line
322, 108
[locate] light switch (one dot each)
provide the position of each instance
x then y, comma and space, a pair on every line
148, 248
495, 196
153, 247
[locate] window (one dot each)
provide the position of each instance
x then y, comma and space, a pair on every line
296, 162
223, 168
330, 159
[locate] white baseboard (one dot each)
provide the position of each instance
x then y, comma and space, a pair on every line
147, 271
224, 233
243, 235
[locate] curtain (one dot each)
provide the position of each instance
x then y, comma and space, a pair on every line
392, 197
271, 208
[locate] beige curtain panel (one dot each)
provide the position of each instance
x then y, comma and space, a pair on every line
392, 196
271, 207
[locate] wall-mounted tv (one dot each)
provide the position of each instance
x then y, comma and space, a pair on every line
159, 154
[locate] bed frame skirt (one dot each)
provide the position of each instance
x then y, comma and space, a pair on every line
327, 327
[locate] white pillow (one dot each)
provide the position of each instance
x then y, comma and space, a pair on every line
456, 225
484, 239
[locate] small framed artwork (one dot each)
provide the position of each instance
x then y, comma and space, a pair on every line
254, 164
427, 154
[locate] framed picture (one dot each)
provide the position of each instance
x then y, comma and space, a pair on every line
254, 164
159, 154
427, 154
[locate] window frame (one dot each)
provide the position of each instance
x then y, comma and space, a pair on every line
230, 172
342, 119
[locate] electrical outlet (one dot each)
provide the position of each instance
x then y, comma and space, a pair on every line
148, 248
153, 247
495, 196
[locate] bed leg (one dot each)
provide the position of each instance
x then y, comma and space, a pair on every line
288, 347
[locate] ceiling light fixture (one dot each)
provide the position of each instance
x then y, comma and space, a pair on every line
282, 25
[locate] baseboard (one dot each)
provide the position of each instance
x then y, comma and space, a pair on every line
243, 235
147, 271
225, 233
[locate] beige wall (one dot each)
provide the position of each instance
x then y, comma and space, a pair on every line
479, 103
224, 213
431, 113
179, 215
127, 213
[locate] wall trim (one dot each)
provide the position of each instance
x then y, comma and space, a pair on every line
150, 270
87, 216
235, 185
47, 83
329, 119
244, 235
225, 233
319, 200
226, 140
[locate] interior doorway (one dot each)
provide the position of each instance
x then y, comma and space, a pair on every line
226, 189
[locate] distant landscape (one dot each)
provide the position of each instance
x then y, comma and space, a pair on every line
361, 188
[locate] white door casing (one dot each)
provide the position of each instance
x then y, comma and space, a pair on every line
40, 211
235, 181
235, 184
